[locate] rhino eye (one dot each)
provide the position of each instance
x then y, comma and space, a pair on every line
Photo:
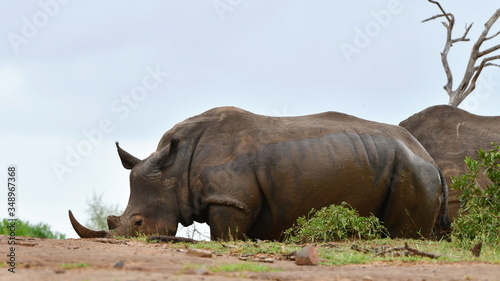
139, 222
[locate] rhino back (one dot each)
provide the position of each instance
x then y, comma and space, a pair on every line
226, 133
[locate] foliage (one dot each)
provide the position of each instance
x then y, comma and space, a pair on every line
334, 223
479, 217
40, 230
99, 212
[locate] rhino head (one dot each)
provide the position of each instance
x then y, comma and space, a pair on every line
152, 207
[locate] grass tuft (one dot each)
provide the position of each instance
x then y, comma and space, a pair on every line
74, 265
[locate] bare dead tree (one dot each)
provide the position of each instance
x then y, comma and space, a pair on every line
474, 68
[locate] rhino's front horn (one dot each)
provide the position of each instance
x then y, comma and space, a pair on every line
84, 232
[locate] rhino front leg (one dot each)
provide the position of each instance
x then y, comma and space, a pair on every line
228, 223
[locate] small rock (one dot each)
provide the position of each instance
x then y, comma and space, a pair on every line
267, 260
119, 264
290, 256
307, 256
367, 278
199, 253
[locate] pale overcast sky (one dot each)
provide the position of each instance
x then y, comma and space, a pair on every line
76, 76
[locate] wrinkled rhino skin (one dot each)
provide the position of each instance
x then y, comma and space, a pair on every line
252, 176
450, 134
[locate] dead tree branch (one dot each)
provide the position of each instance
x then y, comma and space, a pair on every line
473, 69
408, 251
449, 17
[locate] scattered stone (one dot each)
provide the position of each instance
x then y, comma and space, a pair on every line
290, 256
307, 256
199, 253
267, 260
367, 278
26, 242
119, 265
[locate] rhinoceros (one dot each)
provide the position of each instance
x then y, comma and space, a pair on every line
250, 176
450, 134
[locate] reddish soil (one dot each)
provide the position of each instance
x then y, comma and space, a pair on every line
117, 260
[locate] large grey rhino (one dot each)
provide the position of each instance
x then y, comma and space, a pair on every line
450, 134
252, 176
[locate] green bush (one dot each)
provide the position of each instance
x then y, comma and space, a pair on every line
479, 217
334, 223
99, 212
40, 230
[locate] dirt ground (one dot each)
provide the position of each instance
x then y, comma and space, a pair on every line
127, 260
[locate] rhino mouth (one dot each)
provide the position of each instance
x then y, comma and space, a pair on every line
84, 232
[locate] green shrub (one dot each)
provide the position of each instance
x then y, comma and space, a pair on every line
334, 223
40, 230
99, 212
479, 217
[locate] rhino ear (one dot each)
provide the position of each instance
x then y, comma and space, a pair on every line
128, 160
167, 155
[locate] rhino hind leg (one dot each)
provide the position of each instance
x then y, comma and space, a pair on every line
414, 202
